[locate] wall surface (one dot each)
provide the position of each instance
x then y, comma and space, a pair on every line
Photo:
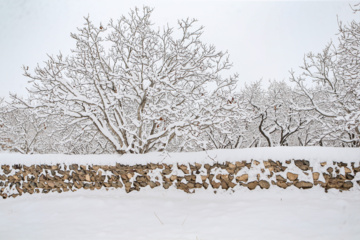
19, 179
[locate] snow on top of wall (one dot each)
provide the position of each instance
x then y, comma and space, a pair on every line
313, 154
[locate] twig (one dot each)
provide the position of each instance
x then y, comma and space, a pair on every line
158, 219
184, 221
211, 157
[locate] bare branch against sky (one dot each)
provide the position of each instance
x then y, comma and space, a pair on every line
264, 39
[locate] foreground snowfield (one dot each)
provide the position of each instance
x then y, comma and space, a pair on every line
171, 214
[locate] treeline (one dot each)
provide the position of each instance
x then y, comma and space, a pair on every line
130, 88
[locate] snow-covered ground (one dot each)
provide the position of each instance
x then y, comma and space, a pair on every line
170, 214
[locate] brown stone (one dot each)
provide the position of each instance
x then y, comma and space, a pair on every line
322, 184
252, 185
242, 178
347, 170
166, 171
323, 164
315, 176
198, 166
20, 191
356, 169
334, 183
167, 185
215, 184
78, 184
230, 170
190, 185
128, 186
203, 178
256, 162
349, 176
87, 177
292, 176
207, 166
231, 166
266, 164
302, 164
279, 178
303, 185
231, 184
240, 164
264, 184
281, 184
184, 169
224, 185
347, 185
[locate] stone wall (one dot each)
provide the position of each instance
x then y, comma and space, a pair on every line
18, 179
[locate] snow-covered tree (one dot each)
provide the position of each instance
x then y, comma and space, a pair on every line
66, 135
274, 119
233, 133
21, 130
334, 91
139, 86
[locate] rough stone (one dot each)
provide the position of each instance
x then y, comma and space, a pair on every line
334, 183
252, 185
256, 162
330, 170
315, 176
347, 185
264, 184
242, 178
282, 184
302, 164
303, 185
279, 178
292, 176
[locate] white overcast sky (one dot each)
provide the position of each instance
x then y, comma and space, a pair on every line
265, 39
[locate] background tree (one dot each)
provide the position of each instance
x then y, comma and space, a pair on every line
274, 119
233, 133
22, 130
334, 94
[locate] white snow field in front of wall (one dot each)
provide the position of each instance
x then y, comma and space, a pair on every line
313, 154
159, 214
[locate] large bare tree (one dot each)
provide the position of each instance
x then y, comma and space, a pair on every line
139, 85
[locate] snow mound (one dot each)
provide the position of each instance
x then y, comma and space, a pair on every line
313, 154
